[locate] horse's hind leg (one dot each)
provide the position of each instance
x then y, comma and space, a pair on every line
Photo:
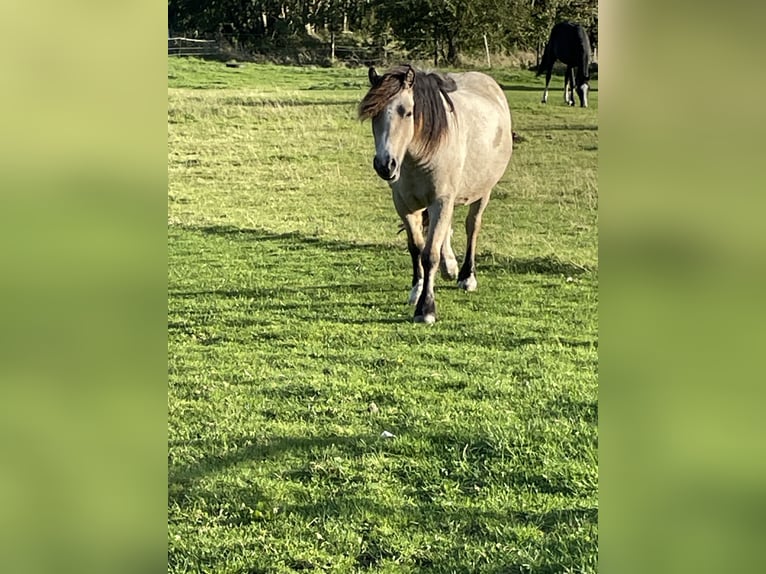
569, 86
466, 279
448, 265
547, 81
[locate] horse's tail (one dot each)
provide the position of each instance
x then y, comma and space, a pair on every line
547, 60
587, 56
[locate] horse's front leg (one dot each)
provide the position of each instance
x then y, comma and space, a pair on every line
448, 264
440, 219
582, 89
413, 225
466, 279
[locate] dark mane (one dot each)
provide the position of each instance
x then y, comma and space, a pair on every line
430, 115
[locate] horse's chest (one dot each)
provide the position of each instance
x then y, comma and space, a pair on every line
415, 190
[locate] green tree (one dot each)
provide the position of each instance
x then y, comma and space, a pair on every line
437, 29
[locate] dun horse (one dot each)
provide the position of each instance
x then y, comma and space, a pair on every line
440, 140
569, 43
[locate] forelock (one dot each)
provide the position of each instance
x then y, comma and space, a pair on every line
377, 98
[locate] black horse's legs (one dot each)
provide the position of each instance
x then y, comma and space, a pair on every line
547, 81
582, 89
439, 223
569, 86
466, 279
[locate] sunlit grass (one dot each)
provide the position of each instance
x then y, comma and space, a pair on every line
291, 348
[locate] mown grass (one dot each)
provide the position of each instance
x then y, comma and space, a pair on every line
291, 348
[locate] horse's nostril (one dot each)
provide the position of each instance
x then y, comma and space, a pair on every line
382, 168
392, 164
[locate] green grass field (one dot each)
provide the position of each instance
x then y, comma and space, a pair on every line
291, 347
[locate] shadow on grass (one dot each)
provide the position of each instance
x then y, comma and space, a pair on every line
292, 295
473, 526
280, 103
543, 265
562, 128
522, 88
305, 450
326, 462
289, 238
249, 449
540, 88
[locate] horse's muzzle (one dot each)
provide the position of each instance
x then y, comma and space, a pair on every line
388, 171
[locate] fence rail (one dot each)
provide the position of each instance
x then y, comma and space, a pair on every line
180, 46
332, 50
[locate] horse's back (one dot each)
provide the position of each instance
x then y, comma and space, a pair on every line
483, 86
483, 105
570, 43
484, 122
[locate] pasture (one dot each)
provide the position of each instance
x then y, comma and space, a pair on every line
291, 347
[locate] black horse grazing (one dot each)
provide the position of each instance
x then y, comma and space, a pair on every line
569, 43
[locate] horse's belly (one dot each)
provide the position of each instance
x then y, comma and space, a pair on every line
464, 198
480, 176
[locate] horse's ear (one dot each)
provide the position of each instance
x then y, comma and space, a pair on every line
409, 78
372, 75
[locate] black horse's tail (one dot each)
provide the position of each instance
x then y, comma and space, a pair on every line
547, 60
587, 55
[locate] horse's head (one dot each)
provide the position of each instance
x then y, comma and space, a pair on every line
390, 104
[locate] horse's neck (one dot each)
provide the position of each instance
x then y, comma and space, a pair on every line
415, 149
414, 160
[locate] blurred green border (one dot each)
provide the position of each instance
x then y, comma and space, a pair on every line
83, 182
682, 471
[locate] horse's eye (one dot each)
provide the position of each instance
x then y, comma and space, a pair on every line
408, 114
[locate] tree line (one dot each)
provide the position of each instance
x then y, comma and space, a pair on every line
425, 29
